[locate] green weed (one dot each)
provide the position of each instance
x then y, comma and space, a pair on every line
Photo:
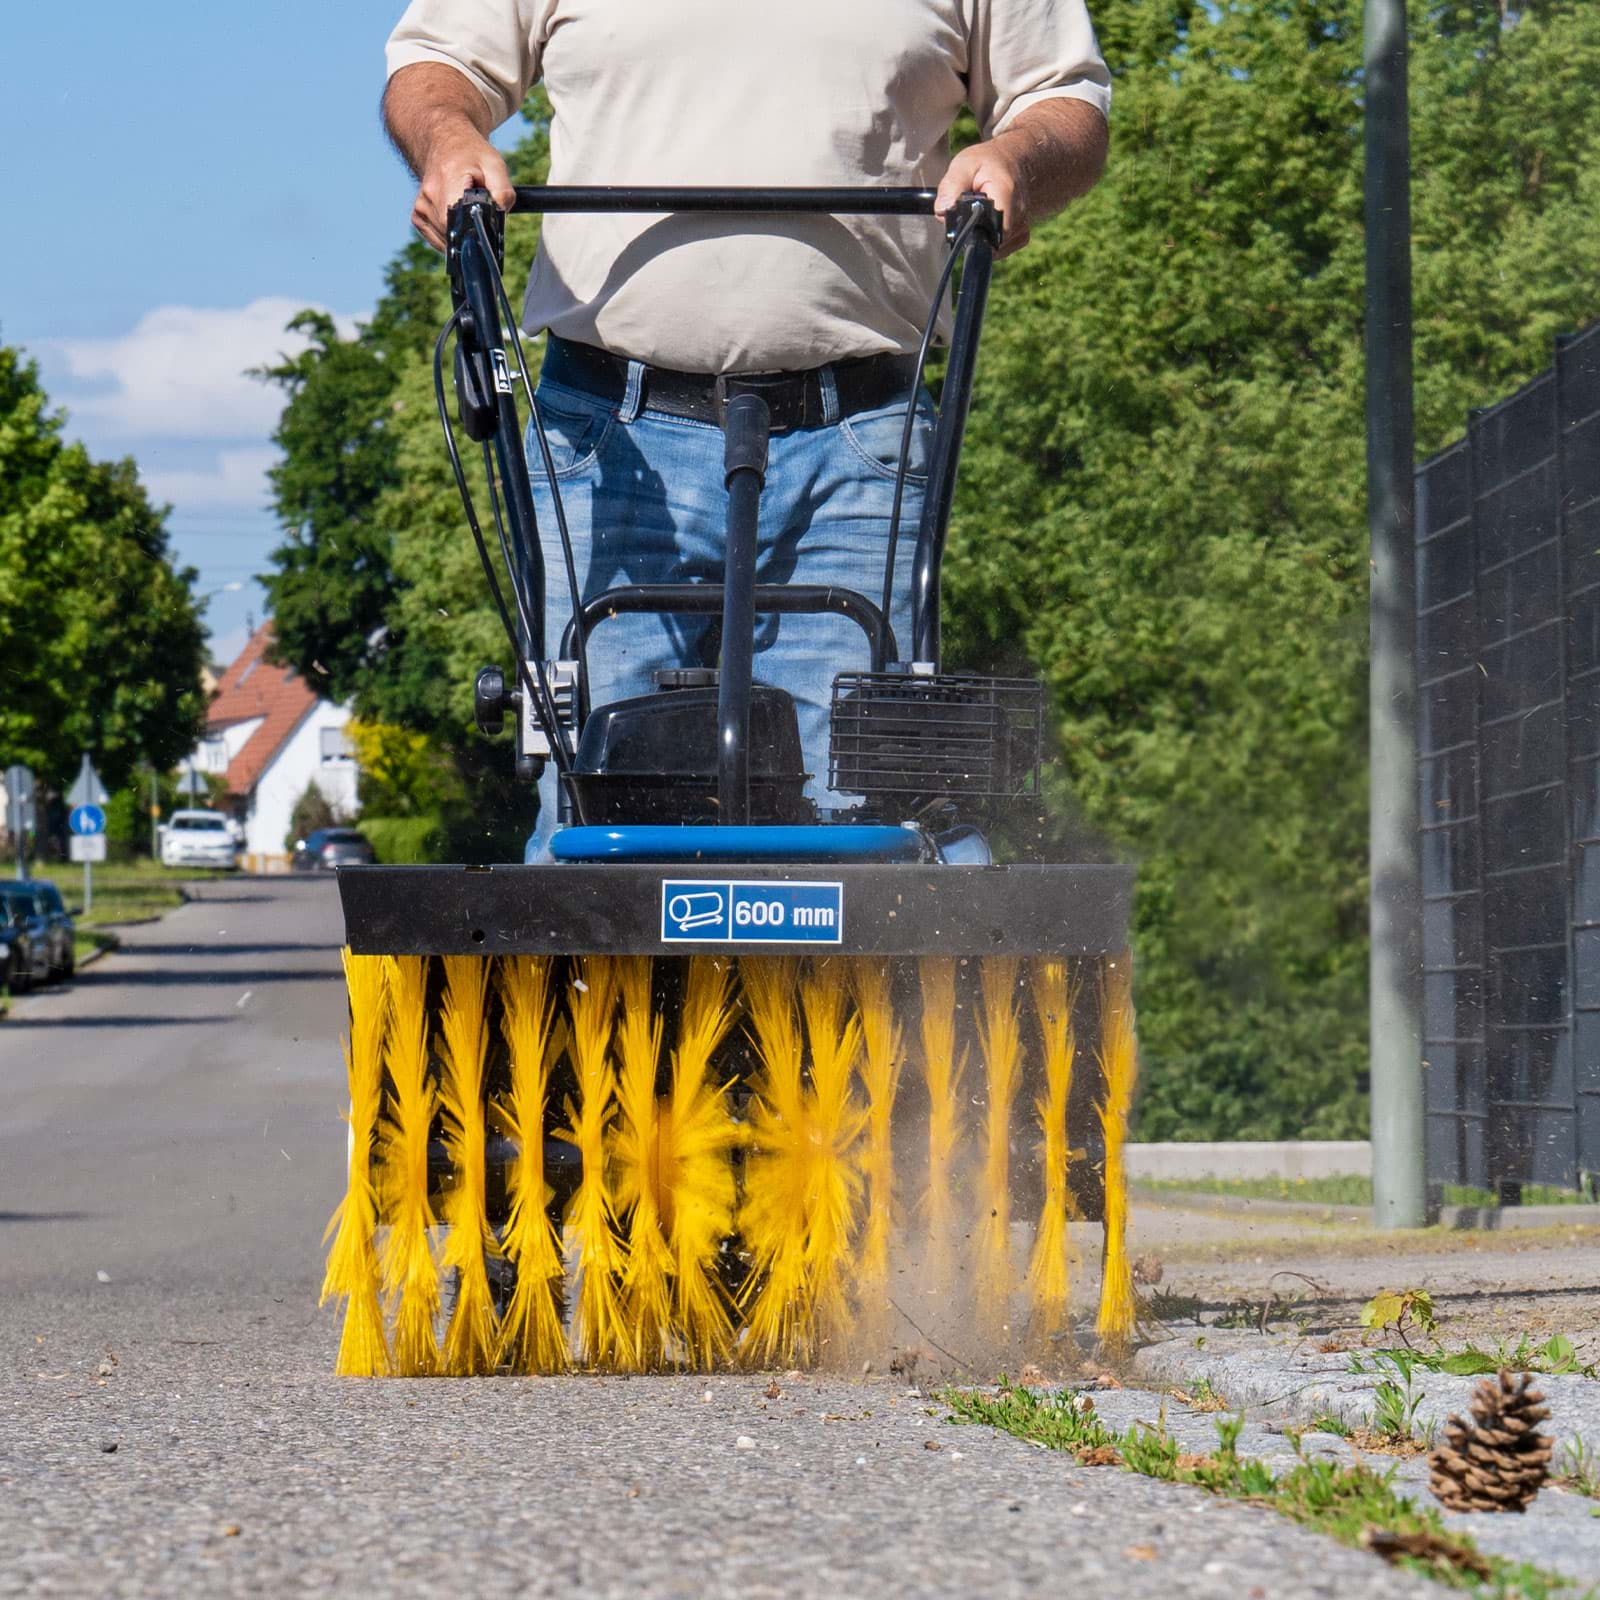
1344, 1501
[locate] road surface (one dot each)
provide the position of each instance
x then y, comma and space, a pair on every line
170, 1149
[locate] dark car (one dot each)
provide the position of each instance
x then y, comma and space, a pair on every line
63, 931
329, 848
25, 931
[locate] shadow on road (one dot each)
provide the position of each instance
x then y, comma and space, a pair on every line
212, 947
237, 977
14, 1023
48, 1216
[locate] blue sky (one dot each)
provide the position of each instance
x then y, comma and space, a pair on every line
179, 177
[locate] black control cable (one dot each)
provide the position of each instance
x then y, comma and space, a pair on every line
509, 318
903, 467
536, 684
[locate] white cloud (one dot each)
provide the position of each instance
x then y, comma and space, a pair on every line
236, 481
182, 372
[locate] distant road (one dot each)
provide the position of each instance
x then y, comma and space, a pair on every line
170, 1149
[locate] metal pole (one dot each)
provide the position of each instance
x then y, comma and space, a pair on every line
155, 814
19, 835
1399, 1187
88, 888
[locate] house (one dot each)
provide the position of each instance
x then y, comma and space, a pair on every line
268, 735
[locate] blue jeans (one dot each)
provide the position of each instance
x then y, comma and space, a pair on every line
645, 503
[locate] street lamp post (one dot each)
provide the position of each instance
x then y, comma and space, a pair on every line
1399, 1188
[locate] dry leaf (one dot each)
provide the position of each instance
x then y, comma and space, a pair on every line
772, 1391
1140, 1552
1147, 1269
1425, 1547
931, 1444
1102, 1455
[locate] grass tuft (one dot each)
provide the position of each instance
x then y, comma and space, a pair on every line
1352, 1503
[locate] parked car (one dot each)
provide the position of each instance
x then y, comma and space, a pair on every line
327, 849
198, 839
63, 931
26, 932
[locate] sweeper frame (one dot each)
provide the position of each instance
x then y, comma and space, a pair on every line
732, 1197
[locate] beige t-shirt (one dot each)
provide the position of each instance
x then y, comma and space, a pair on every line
751, 92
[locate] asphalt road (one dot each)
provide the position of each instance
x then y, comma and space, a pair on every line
170, 1149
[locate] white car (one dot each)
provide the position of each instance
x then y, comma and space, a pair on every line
199, 839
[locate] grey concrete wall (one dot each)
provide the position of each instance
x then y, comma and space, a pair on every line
1287, 1158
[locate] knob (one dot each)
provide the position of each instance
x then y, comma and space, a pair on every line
489, 701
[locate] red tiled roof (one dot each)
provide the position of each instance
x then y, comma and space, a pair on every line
254, 687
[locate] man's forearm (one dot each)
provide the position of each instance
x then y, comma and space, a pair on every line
1052, 153
441, 124
1060, 150
427, 103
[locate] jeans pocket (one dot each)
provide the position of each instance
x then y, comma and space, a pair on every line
875, 436
575, 428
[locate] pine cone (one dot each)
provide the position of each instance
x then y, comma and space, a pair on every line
1498, 1461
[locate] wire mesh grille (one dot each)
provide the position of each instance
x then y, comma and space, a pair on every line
943, 737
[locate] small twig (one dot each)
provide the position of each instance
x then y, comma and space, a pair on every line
1287, 1272
922, 1334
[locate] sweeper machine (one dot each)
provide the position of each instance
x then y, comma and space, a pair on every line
729, 1080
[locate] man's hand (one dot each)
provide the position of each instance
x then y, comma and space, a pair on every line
1052, 153
440, 124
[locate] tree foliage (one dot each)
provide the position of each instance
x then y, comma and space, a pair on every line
1162, 506
101, 643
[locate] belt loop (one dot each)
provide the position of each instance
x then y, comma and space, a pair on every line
633, 395
829, 385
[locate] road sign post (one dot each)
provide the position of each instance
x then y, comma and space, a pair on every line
87, 820
19, 813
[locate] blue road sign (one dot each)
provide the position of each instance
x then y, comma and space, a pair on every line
87, 819
695, 911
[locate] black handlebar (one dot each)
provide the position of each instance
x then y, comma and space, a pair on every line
484, 391
860, 202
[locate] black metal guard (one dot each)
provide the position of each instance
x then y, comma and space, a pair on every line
771, 599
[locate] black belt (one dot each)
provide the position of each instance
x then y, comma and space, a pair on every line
795, 399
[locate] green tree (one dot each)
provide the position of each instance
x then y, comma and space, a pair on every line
1164, 497
101, 642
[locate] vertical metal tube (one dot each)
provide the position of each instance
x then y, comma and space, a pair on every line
747, 427
945, 456
1399, 1190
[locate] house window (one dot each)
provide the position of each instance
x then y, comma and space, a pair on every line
214, 756
336, 751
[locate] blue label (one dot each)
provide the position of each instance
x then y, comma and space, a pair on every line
87, 820
698, 911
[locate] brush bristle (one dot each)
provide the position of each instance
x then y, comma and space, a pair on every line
698, 1139
595, 1252
836, 1118
410, 1276
881, 1040
470, 1339
531, 1336
1050, 1267
1119, 1066
636, 1153
772, 1218
1001, 1043
352, 1268
703, 1231
943, 1073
